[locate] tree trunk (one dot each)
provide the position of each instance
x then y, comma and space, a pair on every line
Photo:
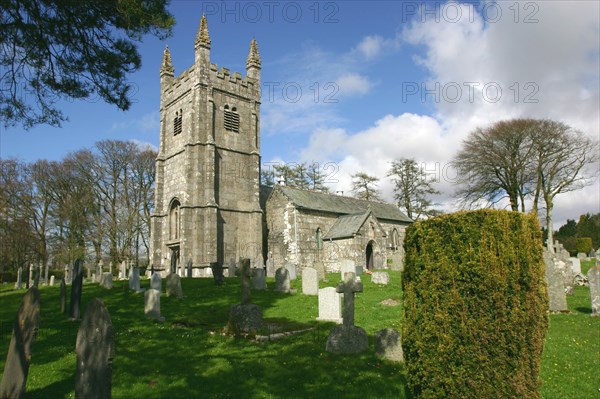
550, 242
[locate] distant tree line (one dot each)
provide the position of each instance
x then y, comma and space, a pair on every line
93, 202
580, 236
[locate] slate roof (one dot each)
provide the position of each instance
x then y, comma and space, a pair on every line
346, 226
341, 205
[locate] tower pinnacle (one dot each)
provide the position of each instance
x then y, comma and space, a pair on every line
202, 37
253, 59
166, 68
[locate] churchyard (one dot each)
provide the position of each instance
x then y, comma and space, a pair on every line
187, 355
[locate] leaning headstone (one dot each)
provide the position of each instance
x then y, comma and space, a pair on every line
134, 279
174, 285
382, 278
282, 280
95, 349
388, 345
16, 367
310, 281
575, 265
555, 282
259, 281
19, 283
52, 278
320, 268
63, 296
291, 268
217, 272
594, 282
152, 304
348, 338
106, 280
76, 287
347, 266
156, 282
330, 308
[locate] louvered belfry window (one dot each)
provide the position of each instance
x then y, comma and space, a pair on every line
232, 119
178, 122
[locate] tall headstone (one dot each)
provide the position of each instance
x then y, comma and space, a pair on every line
347, 266
245, 281
282, 280
189, 269
63, 296
30, 276
134, 279
106, 280
320, 268
270, 267
95, 349
594, 282
100, 268
330, 308
348, 338
152, 304
19, 283
259, 281
291, 268
156, 282
556, 288
123, 271
76, 287
310, 281
16, 367
575, 265
52, 278
174, 286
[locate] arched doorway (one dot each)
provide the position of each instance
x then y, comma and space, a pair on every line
369, 253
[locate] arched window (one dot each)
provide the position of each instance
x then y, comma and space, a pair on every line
174, 220
231, 119
395, 240
319, 239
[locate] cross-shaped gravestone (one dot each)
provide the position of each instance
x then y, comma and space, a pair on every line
245, 274
349, 287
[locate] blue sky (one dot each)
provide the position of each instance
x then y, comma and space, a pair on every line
353, 85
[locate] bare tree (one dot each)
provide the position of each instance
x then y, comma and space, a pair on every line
562, 155
412, 188
364, 187
494, 164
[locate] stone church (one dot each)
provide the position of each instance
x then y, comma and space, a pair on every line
209, 204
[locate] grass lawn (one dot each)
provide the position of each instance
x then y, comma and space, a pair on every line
187, 357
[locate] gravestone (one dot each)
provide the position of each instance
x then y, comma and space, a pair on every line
555, 282
76, 287
189, 268
320, 268
291, 268
310, 281
100, 268
581, 255
174, 286
231, 268
106, 280
330, 308
156, 282
134, 279
30, 276
270, 267
152, 304
594, 282
245, 317
217, 272
382, 278
19, 283
347, 266
348, 338
575, 265
63, 296
52, 278
18, 358
95, 349
282, 280
259, 281
388, 345
123, 271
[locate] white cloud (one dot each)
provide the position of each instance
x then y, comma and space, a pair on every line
370, 46
352, 83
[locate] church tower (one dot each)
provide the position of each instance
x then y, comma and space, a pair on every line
208, 166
